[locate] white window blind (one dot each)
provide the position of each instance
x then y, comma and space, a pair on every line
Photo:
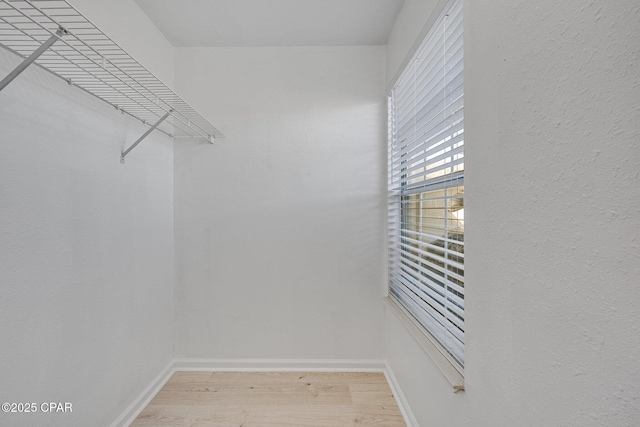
426, 184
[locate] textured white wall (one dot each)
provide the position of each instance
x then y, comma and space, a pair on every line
279, 226
86, 273
553, 222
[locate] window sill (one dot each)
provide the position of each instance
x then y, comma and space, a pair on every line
451, 370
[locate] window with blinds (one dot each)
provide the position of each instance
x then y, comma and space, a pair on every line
426, 184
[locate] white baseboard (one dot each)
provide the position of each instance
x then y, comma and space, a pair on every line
401, 400
280, 365
265, 365
144, 398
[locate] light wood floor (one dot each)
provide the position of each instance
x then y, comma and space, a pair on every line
252, 399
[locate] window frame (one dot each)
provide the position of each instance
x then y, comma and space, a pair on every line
451, 362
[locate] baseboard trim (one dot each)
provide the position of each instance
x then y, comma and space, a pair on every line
280, 365
144, 398
401, 400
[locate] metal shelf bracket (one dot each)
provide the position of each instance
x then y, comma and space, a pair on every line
31, 58
151, 129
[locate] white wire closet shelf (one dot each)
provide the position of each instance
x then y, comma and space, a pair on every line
73, 48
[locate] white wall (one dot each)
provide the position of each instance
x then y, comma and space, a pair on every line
279, 226
552, 220
86, 275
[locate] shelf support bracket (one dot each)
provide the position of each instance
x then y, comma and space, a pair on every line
29, 60
151, 129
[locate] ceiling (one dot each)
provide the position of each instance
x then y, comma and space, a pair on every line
273, 22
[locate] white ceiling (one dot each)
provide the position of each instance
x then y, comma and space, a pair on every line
273, 22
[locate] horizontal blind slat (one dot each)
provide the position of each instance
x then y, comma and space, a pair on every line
429, 134
399, 256
404, 254
438, 293
438, 306
441, 321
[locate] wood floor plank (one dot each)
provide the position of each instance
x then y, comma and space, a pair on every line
294, 416
371, 394
270, 399
163, 416
258, 394
189, 377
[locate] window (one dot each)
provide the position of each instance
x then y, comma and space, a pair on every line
426, 184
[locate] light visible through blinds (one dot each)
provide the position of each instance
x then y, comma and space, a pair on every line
426, 183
